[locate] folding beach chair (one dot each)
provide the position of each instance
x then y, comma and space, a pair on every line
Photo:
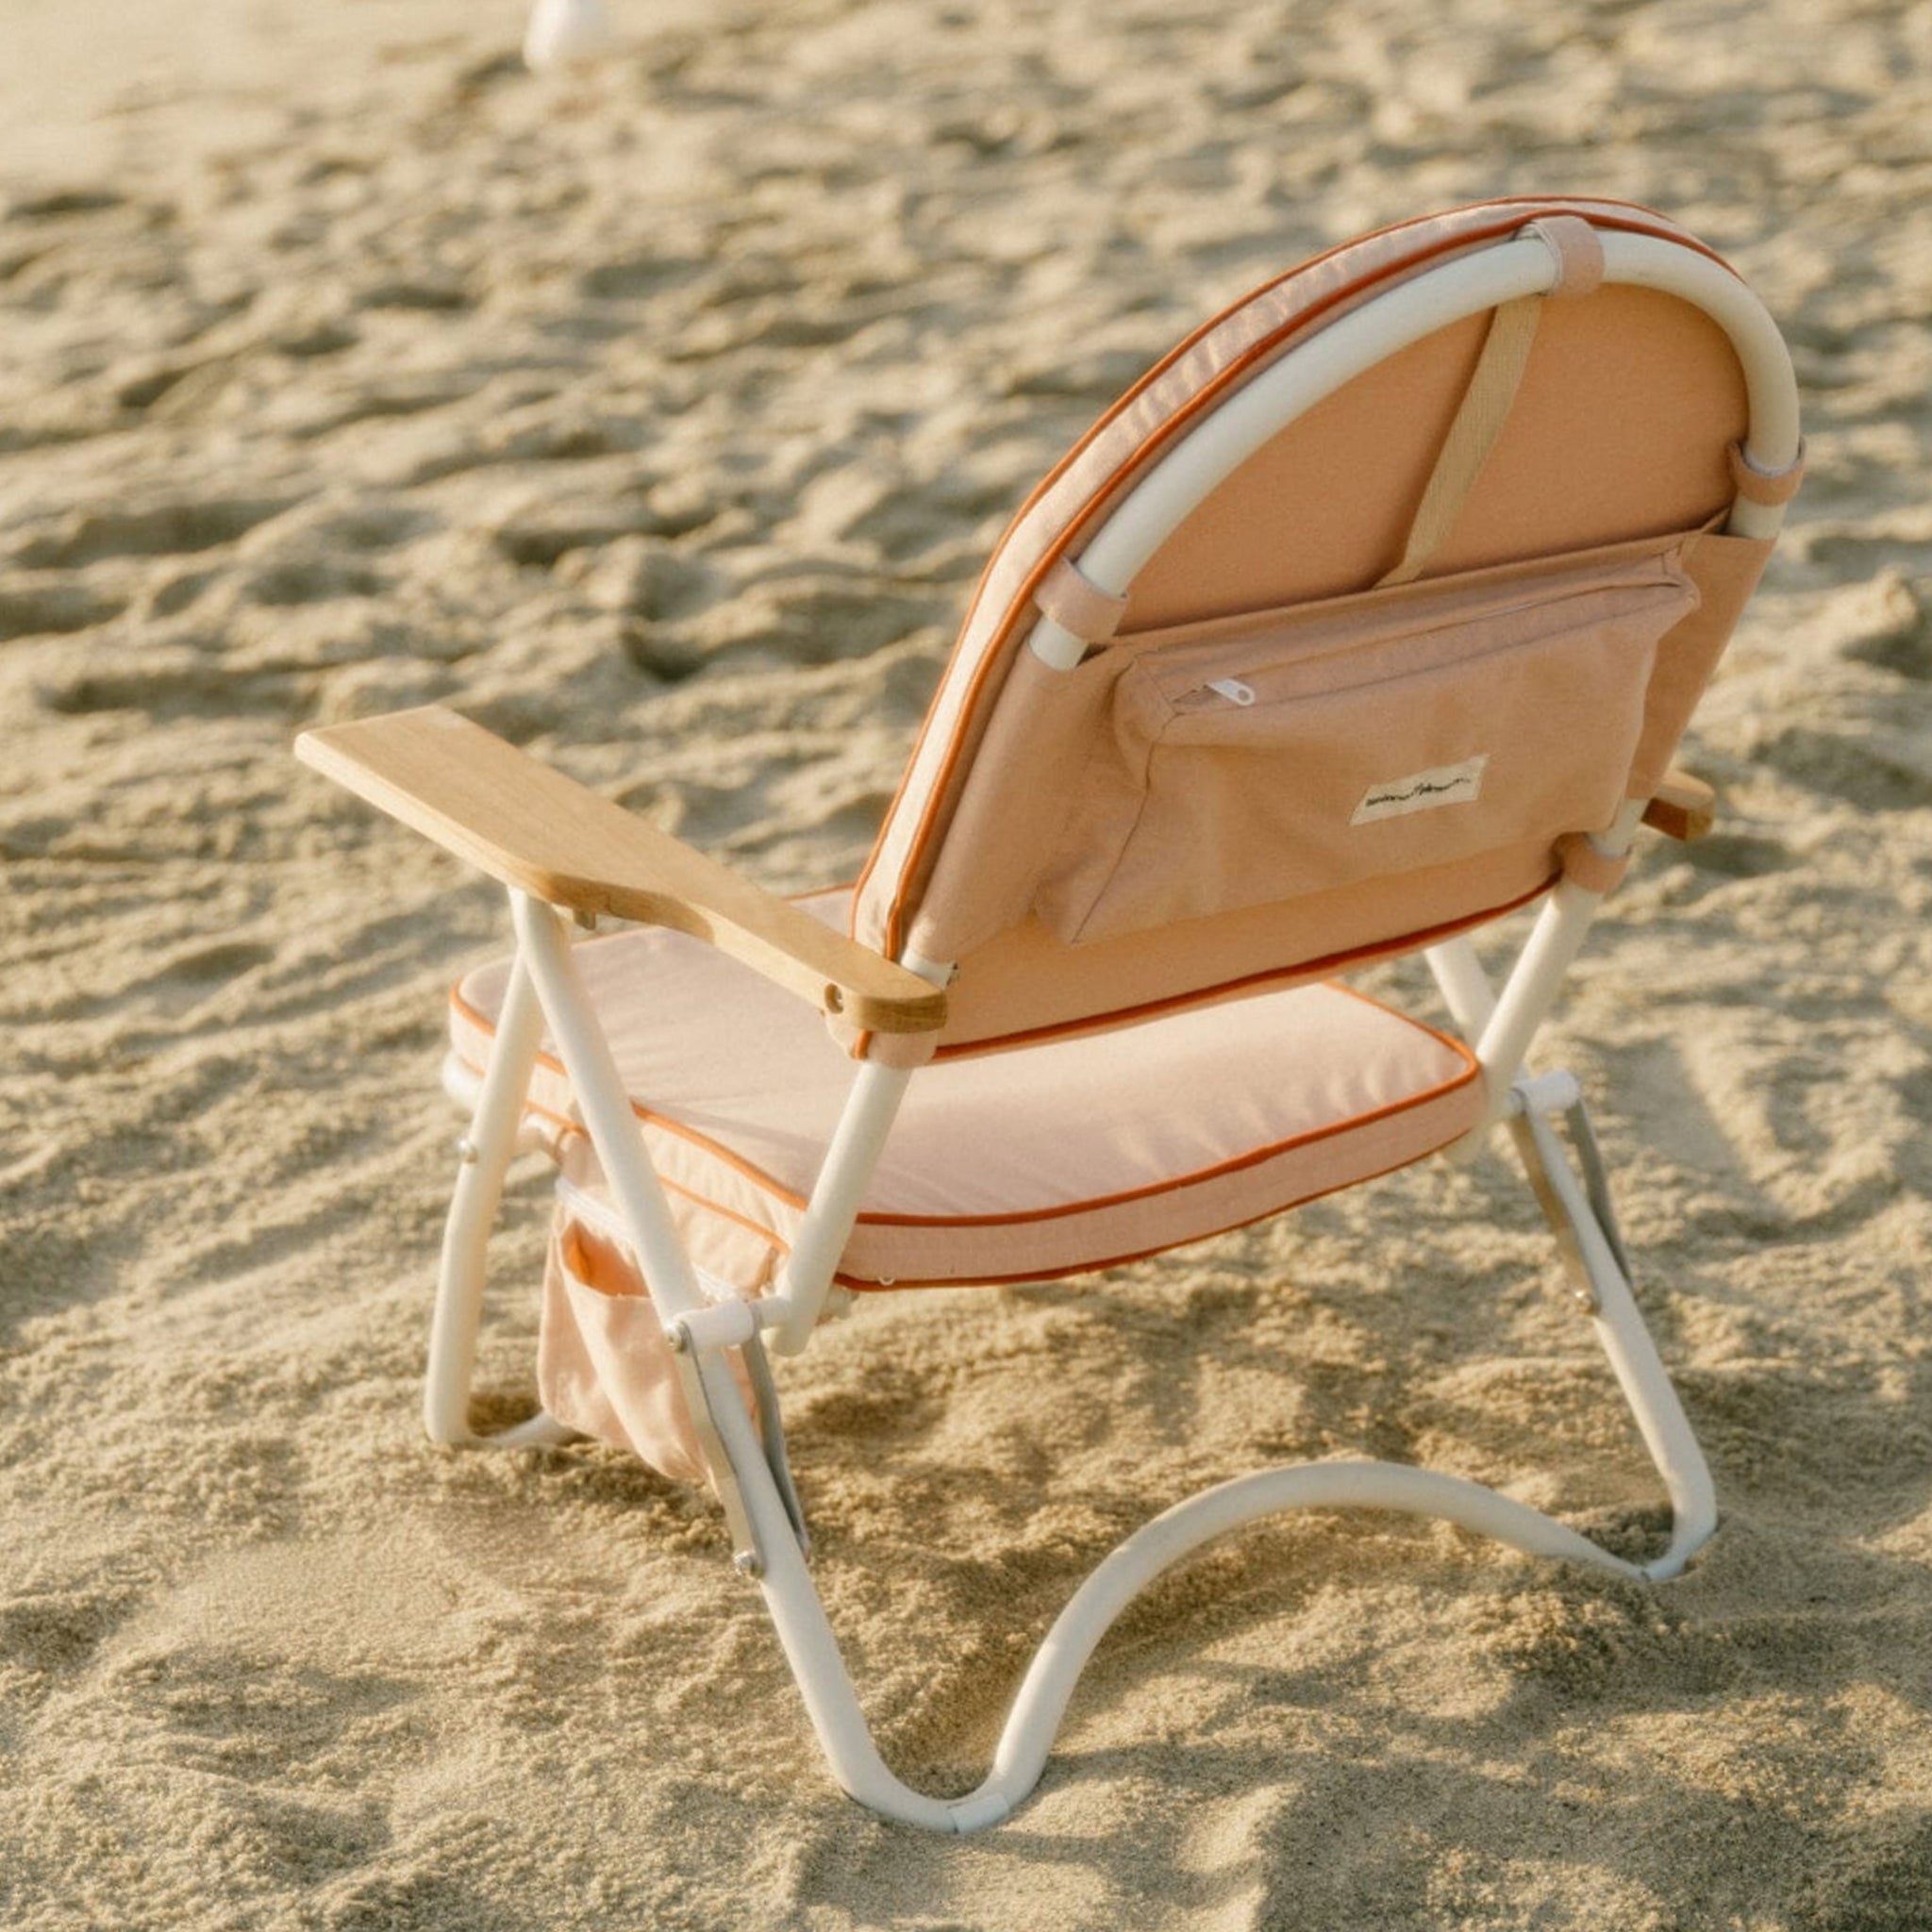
1372, 613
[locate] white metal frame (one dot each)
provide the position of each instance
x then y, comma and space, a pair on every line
768, 1534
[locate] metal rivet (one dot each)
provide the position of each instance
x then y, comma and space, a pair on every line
747, 1564
466, 1151
677, 1337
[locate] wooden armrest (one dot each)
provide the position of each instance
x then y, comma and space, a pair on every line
527, 824
1684, 808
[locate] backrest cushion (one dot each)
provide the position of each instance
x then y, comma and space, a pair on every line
1054, 834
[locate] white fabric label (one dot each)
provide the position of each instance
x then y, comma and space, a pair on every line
1394, 798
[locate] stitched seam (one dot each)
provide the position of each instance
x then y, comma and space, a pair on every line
861, 1285
1197, 1177
1309, 970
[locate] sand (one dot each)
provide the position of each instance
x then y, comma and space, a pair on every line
661, 421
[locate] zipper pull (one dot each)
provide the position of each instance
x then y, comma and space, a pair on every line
1232, 689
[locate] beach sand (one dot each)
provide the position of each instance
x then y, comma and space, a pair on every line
661, 420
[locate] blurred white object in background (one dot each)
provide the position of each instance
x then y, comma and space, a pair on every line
567, 33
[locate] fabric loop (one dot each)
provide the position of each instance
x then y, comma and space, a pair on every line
1578, 251
1766, 486
1584, 865
1078, 603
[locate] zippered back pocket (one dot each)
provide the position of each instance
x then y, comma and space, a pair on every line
1254, 760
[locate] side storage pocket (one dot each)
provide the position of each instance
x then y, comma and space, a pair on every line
1255, 759
603, 1365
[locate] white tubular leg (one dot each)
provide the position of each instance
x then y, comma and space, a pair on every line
604, 1104
1463, 984
806, 1637
487, 1150
1537, 978
845, 1172
860, 1137
1633, 1356
599, 1091
1531, 989
1384, 1486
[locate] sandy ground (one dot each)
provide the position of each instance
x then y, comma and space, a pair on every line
661, 422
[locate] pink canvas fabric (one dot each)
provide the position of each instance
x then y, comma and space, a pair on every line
1201, 371
1089, 1148
1573, 725
1269, 757
1618, 434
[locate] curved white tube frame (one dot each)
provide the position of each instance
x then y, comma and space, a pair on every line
545, 986
1210, 453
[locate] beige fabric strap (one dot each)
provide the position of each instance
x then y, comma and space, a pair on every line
1766, 486
1078, 603
1584, 866
1480, 421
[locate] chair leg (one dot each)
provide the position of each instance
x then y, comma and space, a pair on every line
766, 1541
487, 1151
1041, 1700
1594, 1252
825, 1685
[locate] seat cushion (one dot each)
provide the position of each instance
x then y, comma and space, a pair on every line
1048, 1159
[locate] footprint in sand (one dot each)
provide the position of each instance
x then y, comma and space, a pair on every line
160, 529
41, 607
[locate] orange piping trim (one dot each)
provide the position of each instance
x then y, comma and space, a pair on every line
1238, 1164
864, 1287
1309, 970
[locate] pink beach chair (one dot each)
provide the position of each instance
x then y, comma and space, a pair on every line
1372, 613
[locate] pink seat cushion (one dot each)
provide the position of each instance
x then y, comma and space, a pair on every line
1032, 1162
